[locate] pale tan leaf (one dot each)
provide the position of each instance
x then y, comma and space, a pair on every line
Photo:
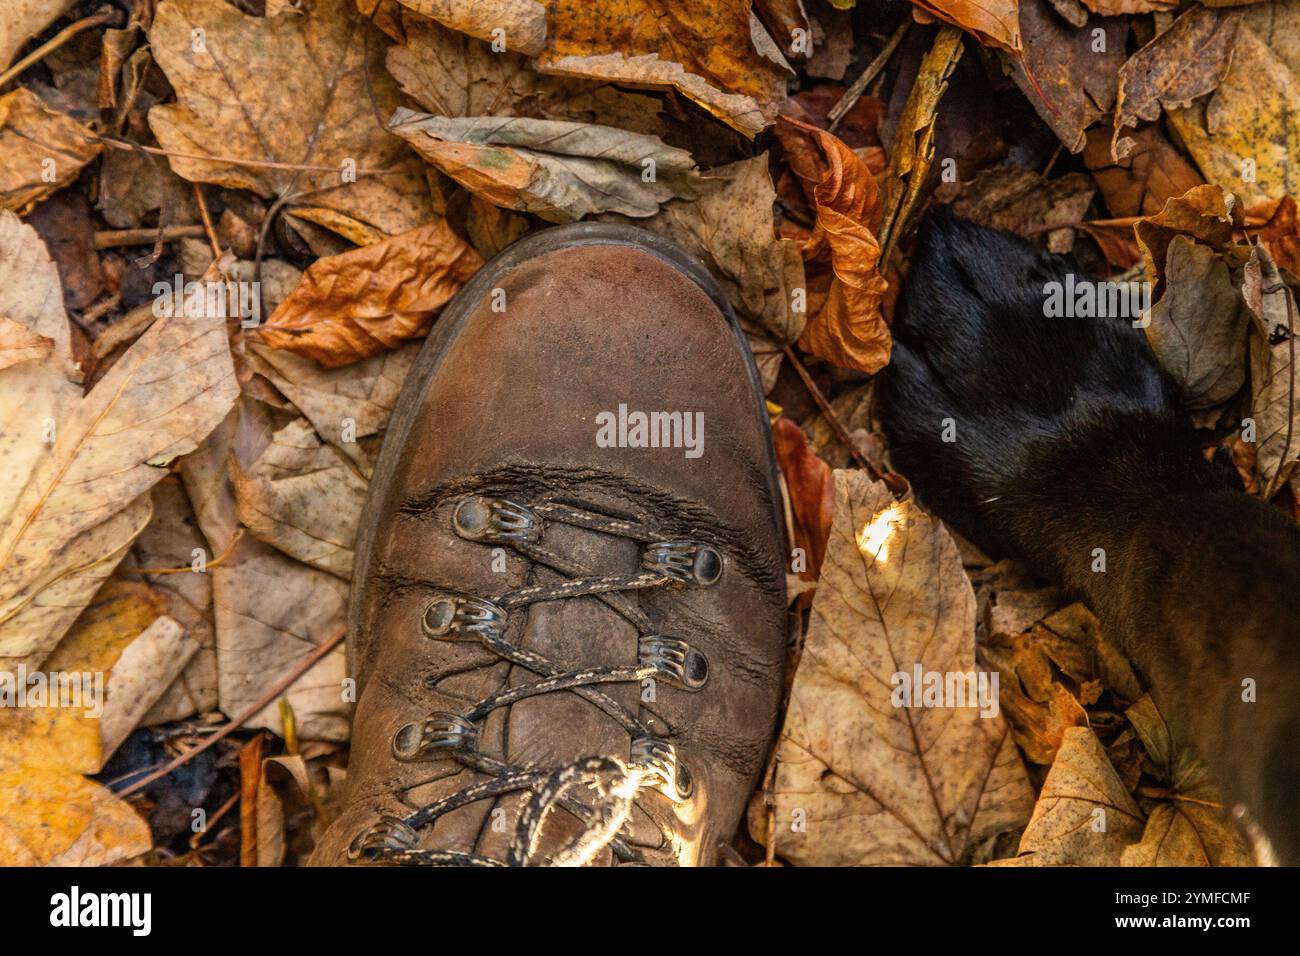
303, 497
22, 20
1084, 815
31, 293
41, 150
871, 782
452, 74
18, 343
344, 405
271, 612
558, 170
86, 498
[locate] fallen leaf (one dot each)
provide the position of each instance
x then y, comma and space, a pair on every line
19, 343
1084, 815
1204, 213
860, 780
1067, 72
243, 93
360, 303
1142, 182
451, 74
812, 493
1022, 201
558, 170
173, 540
1198, 326
303, 497
31, 293
1246, 137
24, 19
112, 666
41, 150
702, 48
849, 329
1281, 236
912, 151
272, 612
994, 22
1274, 378
84, 499
1186, 61
345, 405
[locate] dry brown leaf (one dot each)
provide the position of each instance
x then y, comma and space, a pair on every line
346, 405
1281, 236
288, 89
452, 74
360, 303
703, 48
1073, 82
1246, 137
849, 329
1022, 201
173, 540
1274, 373
83, 500
1150, 175
558, 170
994, 22
811, 488
1204, 213
1198, 326
732, 231
41, 150
272, 612
912, 152
22, 20
1084, 815
1119, 8
303, 497
859, 780
1186, 61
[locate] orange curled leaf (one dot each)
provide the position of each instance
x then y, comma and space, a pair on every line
362, 302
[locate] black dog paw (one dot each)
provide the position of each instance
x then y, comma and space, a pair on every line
993, 395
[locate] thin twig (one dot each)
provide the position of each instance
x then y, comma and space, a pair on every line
233, 161
837, 426
859, 86
281, 685
105, 15
207, 222
114, 238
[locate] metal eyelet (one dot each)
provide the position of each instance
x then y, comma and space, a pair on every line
658, 758
389, 835
684, 561
450, 613
496, 520
439, 734
676, 660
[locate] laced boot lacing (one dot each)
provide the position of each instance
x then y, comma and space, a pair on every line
652, 763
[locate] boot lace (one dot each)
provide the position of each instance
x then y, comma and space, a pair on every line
652, 763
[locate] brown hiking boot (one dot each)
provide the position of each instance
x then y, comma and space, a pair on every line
568, 616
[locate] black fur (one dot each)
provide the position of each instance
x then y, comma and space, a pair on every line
1069, 438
